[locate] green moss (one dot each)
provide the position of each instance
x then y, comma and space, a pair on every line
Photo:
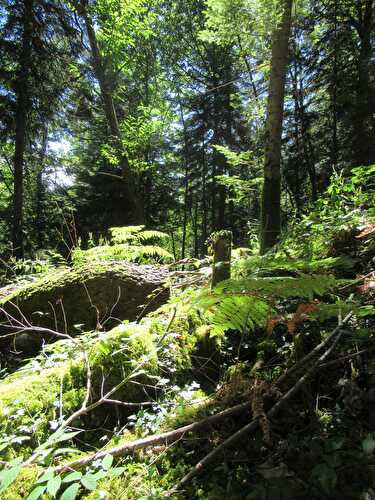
87, 296
30, 398
20, 489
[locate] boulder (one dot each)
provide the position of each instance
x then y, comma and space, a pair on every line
84, 298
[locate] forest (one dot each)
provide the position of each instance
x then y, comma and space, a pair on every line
187, 249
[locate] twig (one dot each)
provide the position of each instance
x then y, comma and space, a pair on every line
241, 433
128, 405
34, 329
355, 282
348, 356
302, 362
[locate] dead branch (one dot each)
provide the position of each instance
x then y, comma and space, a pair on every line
164, 438
314, 352
25, 326
244, 431
347, 357
128, 405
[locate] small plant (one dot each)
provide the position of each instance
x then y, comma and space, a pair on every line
70, 484
132, 243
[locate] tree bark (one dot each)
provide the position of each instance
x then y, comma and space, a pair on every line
222, 250
186, 182
363, 141
40, 192
22, 110
271, 206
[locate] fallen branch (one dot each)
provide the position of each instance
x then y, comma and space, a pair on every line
172, 436
165, 438
244, 431
347, 357
303, 362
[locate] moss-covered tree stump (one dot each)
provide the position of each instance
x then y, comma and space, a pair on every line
85, 298
221, 247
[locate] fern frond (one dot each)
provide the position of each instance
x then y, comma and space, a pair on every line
247, 303
306, 286
125, 234
237, 313
145, 252
256, 265
152, 235
123, 251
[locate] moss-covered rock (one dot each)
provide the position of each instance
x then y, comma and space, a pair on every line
89, 296
31, 399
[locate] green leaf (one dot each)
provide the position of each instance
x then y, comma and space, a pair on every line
8, 476
71, 492
53, 485
37, 492
89, 481
368, 445
116, 471
59, 437
16, 461
100, 475
73, 476
45, 477
366, 311
107, 462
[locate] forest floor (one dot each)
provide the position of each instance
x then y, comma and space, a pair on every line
260, 388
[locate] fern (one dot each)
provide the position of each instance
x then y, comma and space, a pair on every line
248, 303
271, 264
306, 286
128, 243
140, 254
151, 235
237, 313
125, 234
135, 235
152, 251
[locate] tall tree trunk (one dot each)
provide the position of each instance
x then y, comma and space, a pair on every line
204, 196
295, 183
112, 121
22, 110
271, 206
186, 183
363, 141
40, 191
335, 81
195, 227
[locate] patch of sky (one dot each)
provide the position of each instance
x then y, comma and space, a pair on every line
58, 177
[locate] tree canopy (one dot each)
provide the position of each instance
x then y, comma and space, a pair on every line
187, 248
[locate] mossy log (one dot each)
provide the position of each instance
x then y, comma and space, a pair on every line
89, 297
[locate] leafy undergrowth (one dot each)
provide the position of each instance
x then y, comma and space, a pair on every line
289, 338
